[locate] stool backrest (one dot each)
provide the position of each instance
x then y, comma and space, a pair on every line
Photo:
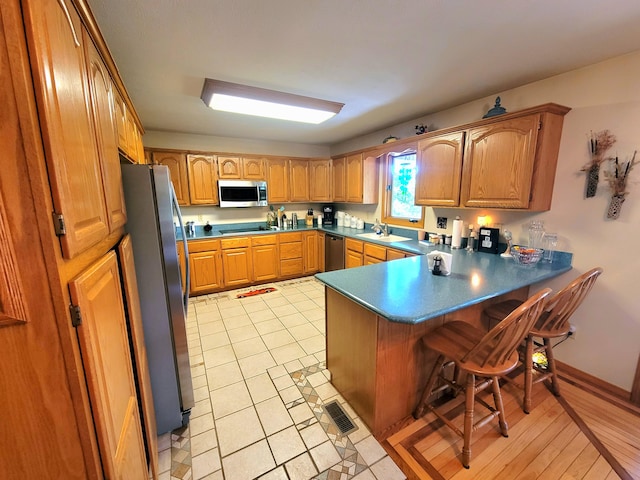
564, 303
502, 340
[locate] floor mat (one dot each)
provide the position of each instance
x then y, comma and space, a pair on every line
258, 291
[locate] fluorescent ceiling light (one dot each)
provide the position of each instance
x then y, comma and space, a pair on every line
231, 97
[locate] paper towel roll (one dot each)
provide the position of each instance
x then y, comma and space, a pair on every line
456, 237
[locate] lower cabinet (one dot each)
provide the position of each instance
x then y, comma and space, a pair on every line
374, 254
291, 263
354, 253
236, 261
264, 253
205, 266
310, 249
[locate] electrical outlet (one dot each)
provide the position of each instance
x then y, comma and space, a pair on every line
572, 331
442, 222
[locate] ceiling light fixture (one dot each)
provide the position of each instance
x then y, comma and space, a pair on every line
232, 97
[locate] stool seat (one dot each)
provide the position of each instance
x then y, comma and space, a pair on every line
477, 354
553, 323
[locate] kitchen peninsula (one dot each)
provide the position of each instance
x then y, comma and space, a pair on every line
375, 316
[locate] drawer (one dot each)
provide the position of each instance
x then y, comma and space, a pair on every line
237, 242
291, 267
263, 240
355, 245
290, 250
290, 237
203, 245
375, 251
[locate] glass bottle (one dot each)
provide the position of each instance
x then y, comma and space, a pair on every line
536, 233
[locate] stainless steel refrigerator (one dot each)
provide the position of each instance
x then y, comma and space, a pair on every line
153, 214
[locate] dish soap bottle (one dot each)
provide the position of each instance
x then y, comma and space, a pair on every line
309, 218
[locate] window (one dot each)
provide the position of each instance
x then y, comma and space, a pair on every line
399, 194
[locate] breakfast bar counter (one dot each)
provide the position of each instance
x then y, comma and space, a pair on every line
376, 315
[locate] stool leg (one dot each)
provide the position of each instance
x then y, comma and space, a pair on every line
497, 400
419, 411
551, 365
468, 418
528, 373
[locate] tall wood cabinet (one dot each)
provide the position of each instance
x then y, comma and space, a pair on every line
355, 178
278, 180
203, 184
177, 164
68, 391
320, 180
298, 180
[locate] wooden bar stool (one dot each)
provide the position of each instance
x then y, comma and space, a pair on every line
478, 354
553, 323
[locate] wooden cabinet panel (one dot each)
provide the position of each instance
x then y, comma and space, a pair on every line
61, 83
374, 253
265, 262
229, 167
354, 256
339, 168
104, 343
236, 266
134, 315
205, 271
310, 252
298, 180
320, 180
202, 180
498, 165
291, 254
354, 169
182, 262
396, 254
104, 121
439, 170
277, 180
177, 164
321, 251
290, 250
120, 113
253, 168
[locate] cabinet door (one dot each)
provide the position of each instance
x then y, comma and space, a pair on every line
205, 271
321, 251
62, 87
299, 180
353, 259
498, 165
354, 178
277, 180
145, 395
253, 168
310, 252
265, 262
229, 167
439, 170
340, 179
120, 112
202, 180
320, 180
104, 121
236, 266
177, 163
104, 342
182, 262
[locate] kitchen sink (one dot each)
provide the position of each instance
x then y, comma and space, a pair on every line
382, 238
243, 230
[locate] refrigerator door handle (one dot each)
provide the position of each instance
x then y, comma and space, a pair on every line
185, 295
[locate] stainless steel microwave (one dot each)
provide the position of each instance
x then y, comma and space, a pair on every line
242, 193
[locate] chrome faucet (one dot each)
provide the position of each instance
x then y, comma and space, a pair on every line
377, 228
385, 230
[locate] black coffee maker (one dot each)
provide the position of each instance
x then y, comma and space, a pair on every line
327, 215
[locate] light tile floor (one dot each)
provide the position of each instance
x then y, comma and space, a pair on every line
259, 383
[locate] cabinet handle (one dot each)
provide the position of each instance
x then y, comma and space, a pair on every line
68, 15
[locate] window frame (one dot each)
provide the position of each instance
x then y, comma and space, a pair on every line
387, 178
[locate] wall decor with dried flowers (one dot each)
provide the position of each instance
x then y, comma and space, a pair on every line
616, 177
600, 142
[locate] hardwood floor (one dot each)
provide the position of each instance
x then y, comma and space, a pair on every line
579, 435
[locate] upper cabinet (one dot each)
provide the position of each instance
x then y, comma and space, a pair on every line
298, 180
340, 179
320, 180
177, 164
362, 178
277, 180
129, 136
203, 187
501, 162
240, 168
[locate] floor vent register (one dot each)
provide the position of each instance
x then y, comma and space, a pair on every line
340, 418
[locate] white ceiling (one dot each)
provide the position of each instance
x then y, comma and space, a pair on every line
388, 61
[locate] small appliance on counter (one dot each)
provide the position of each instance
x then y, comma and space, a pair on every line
309, 218
488, 239
327, 215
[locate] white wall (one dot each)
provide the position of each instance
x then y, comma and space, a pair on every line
602, 96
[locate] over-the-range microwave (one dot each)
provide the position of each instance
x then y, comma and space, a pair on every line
242, 193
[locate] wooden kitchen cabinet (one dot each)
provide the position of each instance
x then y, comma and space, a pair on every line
321, 251
291, 254
360, 179
129, 135
393, 254
205, 266
237, 267
277, 180
339, 174
203, 186
177, 164
253, 168
320, 180
229, 168
354, 253
310, 252
183, 265
264, 252
374, 254
104, 343
439, 170
298, 180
